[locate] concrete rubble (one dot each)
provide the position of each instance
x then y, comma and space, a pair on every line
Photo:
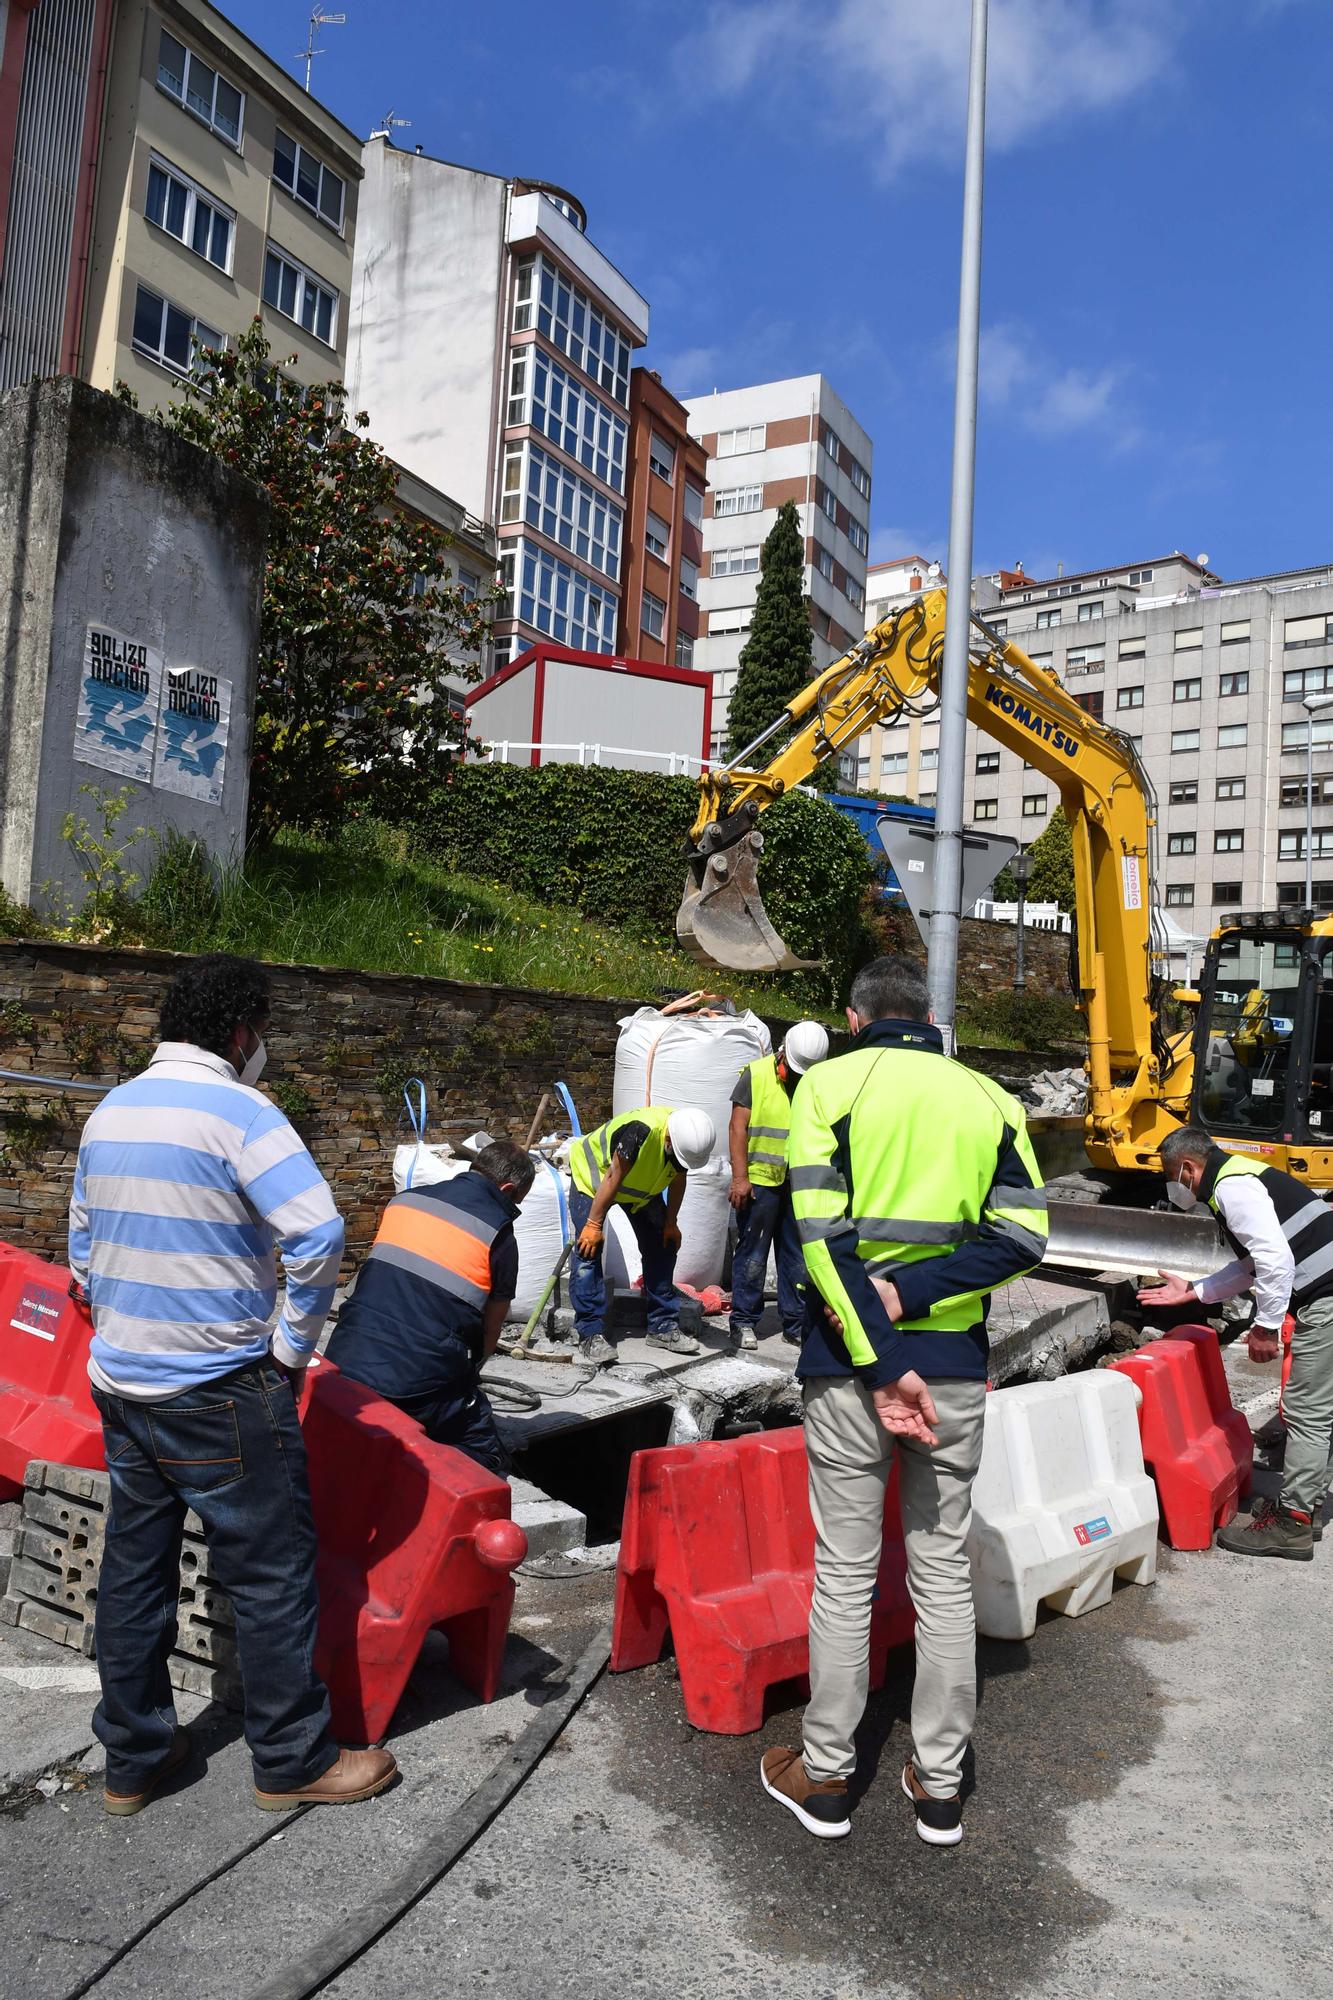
1051, 1093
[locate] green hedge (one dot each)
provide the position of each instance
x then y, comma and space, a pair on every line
609, 843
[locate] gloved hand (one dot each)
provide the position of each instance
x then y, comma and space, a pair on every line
670, 1237
590, 1239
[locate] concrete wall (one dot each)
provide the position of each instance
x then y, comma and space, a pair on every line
107, 522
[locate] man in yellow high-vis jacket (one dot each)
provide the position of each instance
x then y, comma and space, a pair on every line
757, 1139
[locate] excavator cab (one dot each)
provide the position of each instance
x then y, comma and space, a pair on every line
1263, 1039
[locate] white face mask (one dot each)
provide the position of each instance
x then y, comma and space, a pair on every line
1180, 1197
253, 1067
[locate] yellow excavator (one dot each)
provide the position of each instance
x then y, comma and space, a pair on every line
1256, 1066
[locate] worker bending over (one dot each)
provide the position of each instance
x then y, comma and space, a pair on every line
757, 1139
916, 1194
630, 1163
1282, 1234
432, 1297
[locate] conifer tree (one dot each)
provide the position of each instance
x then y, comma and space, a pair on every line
778, 657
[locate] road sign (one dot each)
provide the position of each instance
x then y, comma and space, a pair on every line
910, 847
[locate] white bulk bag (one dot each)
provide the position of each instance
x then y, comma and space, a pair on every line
686, 1059
541, 1231
622, 1263
417, 1163
704, 1217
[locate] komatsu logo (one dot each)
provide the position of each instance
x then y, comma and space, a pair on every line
1050, 732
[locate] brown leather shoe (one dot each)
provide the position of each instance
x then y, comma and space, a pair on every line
358, 1774
820, 1804
124, 1803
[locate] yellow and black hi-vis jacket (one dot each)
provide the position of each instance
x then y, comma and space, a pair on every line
907, 1166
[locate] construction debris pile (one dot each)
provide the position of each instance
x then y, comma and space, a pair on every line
1052, 1093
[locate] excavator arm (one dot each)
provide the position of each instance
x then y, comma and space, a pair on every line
1134, 1073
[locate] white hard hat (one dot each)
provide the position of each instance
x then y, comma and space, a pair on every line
804, 1045
693, 1136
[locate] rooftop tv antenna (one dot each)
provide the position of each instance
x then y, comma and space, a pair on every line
388, 125
318, 20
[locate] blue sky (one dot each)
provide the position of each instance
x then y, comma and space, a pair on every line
782, 181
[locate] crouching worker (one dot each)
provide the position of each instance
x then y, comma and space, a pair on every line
757, 1139
432, 1297
630, 1162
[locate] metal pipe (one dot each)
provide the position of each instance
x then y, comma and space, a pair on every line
948, 870
1311, 703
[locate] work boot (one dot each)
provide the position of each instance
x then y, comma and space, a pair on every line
938, 1821
1271, 1531
819, 1804
124, 1803
598, 1351
744, 1336
673, 1340
357, 1774
1271, 1436
796, 1339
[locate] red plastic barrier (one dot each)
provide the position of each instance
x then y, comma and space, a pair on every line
412, 1536
717, 1542
1197, 1447
46, 1405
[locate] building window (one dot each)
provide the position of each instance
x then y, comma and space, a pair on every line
1040, 659
1235, 684
295, 292
661, 458
1191, 690
823, 561
860, 479
1132, 649
511, 494
730, 500
580, 423
1235, 631
1093, 702
892, 762
1232, 788
1293, 791
1130, 697
652, 617
987, 761
1138, 576
189, 215
308, 179
523, 294
1034, 805
1182, 843
725, 623
689, 578
1189, 641
200, 89
857, 536
986, 809
1298, 681
1231, 736
1185, 792
1045, 619
569, 607
1316, 631
567, 510
684, 650
164, 333
1294, 892
1228, 841
1291, 846
746, 437
1179, 895
999, 626
516, 407
694, 505
854, 594
1296, 734
1089, 609
656, 536
734, 562
828, 437
1085, 659
1226, 892
545, 298
1184, 739
929, 760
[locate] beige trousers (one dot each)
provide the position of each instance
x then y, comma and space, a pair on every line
849, 1454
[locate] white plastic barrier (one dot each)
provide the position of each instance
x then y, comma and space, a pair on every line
686, 1059
1062, 1504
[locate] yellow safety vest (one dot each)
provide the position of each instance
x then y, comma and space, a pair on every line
770, 1124
652, 1171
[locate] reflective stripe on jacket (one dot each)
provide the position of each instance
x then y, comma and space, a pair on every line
770, 1124
1305, 1219
590, 1158
907, 1166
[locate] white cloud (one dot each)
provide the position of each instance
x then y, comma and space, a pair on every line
894, 72
887, 544
693, 371
1047, 398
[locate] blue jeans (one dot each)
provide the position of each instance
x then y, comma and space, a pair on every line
233, 1452
587, 1287
768, 1217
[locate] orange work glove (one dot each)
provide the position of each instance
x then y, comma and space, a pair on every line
590, 1239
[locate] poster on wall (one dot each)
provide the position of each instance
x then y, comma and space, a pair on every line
192, 734
119, 694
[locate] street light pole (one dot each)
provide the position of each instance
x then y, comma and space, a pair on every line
1020, 868
946, 915
1311, 703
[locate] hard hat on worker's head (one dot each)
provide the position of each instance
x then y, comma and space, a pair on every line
803, 1046
692, 1135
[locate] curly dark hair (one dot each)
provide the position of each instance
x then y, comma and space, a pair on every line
207, 1001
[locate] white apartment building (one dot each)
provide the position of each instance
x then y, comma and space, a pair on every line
1207, 677
491, 342
778, 441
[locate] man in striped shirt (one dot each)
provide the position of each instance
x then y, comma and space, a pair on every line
188, 1185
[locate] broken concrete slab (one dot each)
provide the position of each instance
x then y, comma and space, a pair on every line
1039, 1330
551, 1526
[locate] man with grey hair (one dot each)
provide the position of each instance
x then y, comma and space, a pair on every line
1282, 1234
916, 1193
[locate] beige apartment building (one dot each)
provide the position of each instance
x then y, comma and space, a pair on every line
223, 190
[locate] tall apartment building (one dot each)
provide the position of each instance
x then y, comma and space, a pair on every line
167, 181
1207, 677
667, 482
778, 441
491, 341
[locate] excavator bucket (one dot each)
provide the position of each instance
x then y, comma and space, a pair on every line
722, 919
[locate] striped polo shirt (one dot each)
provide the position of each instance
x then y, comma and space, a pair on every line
188, 1186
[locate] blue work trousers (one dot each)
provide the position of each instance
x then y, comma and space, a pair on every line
587, 1287
232, 1451
767, 1221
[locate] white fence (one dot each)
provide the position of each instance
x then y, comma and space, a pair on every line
675, 762
1036, 916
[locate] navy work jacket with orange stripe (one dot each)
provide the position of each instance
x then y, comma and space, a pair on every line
413, 1325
